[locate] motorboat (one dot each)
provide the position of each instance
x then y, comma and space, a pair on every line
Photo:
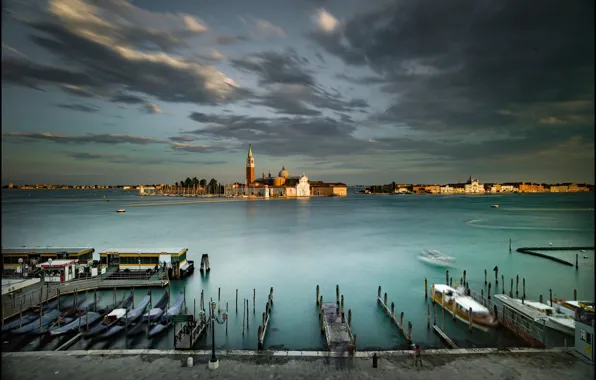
494, 206
434, 257
482, 319
121, 210
557, 319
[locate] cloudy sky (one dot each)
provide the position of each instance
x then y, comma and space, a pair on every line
360, 91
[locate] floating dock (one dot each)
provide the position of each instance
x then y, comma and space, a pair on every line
338, 333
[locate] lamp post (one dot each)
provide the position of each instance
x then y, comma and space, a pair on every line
21, 265
213, 362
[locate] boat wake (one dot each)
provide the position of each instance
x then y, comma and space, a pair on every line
436, 258
474, 223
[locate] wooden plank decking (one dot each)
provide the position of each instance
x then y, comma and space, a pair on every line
337, 332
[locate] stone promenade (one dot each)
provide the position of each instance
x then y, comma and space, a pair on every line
166, 365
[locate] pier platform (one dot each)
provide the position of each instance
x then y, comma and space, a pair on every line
338, 334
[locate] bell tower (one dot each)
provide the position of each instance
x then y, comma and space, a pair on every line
250, 166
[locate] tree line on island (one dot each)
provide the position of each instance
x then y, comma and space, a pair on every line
202, 186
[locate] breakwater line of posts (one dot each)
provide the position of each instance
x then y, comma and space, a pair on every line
338, 333
391, 313
532, 251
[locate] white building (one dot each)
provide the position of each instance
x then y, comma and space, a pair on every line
507, 189
446, 189
303, 187
473, 187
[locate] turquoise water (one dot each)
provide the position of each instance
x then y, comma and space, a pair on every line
358, 242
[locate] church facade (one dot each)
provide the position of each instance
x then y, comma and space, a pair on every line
282, 185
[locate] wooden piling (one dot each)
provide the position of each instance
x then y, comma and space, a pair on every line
443, 310
392, 309
464, 281
496, 276
243, 317
228, 317
76, 299
489, 284
550, 297
434, 314
271, 295
342, 306
350, 320
509, 245
517, 285
219, 300
451, 281
254, 300
379, 292
317, 300
58, 295
575, 294
410, 331
576, 261
114, 295
237, 301
337, 293
202, 301
320, 304
428, 316
470, 319
425, 288
511, 288
485, 274
322, 318
502, 284
524, 287
401, 321
541, 299
447, 277
247, 313
385, 298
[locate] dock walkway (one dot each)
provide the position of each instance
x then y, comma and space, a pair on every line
187, 337
337, 332
49, 291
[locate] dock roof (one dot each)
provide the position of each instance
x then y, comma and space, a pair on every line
40, 250
146, 250
520, 308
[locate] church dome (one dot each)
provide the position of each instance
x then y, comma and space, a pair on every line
283, 172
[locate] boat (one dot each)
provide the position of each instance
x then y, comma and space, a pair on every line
436, 258
482, 319
87, 318
166, 318
155, 313
556, 318
130, 317
47, 319
17, 323
187, 268
121, 210
494, 206
111, 318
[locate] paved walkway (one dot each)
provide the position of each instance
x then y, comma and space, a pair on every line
540, 366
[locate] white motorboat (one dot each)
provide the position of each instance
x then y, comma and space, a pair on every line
434, 257
482, 319
494, 206
557, 317
121, 210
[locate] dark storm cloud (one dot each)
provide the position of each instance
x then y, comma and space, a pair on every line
466, 67
96, 156
229, 40
127, 99
79, 107
310, 136
276, 67
182, 139
89, 138
113, 54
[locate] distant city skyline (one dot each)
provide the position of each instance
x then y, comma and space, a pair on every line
115, 92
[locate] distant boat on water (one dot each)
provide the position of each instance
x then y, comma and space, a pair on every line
494, 206
434, 257
121, 210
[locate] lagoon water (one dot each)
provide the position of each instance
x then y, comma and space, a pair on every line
358, 242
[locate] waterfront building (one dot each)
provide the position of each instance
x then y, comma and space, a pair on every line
508, 189
472, 186
495, 188
282, 185
432, 189
531, 188
446, 189
35, 255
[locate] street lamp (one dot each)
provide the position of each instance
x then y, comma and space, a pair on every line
21, 265
214, 363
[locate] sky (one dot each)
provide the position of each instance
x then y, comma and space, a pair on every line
363, 92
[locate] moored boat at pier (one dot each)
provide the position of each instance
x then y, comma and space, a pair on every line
482, 319
111, 318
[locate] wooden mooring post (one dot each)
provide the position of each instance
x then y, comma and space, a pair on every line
425, 288
262, 331
391, 313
